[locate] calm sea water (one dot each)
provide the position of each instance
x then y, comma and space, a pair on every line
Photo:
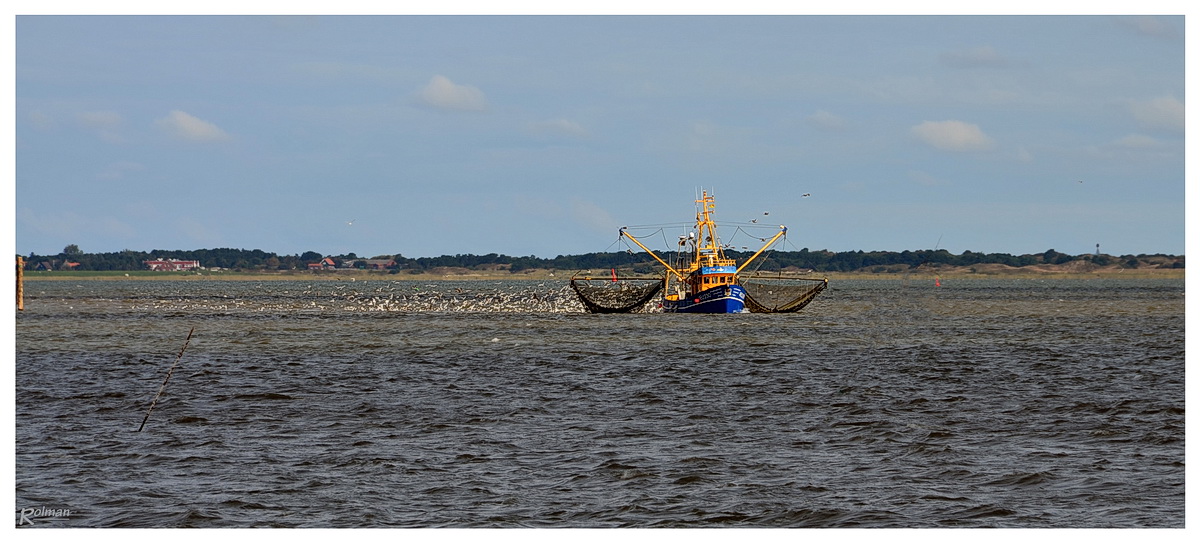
989, 403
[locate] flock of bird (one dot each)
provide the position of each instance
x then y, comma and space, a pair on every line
392, 296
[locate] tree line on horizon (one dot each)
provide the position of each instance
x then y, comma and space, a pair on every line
641, 262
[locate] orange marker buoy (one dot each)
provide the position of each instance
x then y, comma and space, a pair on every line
937, 282
614, 274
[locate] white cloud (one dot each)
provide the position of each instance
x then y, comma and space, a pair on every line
1023, 155
1150, 26
104, 123
559, 126
186, 127
118, 170
953, 136
980, 57
711, 139
71, 226
1165, 112
100, 119
826, 121
1136, 141
294, 22
59, 224
704, 129
114, 228
924, 178
592, 216
41, 121
342, 71
443, 94
111, 137
198, 232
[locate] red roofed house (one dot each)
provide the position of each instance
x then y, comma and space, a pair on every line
172, 264
49, 265
326, 264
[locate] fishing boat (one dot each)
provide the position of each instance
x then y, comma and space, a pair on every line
702, 279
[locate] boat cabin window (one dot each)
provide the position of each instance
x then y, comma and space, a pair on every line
715, 280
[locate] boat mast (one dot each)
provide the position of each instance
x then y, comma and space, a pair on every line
708, 246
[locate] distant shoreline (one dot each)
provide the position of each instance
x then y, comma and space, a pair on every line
986, 271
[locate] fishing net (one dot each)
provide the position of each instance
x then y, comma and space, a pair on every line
615, 297
773, 296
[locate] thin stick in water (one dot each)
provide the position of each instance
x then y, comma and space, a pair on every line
164, 384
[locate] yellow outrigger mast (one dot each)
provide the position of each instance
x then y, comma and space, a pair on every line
782, 231
708, 248
652, 254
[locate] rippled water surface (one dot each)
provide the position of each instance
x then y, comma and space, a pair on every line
988, 403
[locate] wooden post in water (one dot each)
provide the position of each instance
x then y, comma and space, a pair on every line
20, 283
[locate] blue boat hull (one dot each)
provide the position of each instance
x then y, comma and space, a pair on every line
726, 299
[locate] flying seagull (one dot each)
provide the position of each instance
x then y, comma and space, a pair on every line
350, 222
805, 195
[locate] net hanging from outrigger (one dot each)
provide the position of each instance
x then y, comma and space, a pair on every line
777, 296
602, 296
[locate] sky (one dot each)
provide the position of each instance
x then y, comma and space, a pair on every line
543, 134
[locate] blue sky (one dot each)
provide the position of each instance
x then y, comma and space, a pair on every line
542, 135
